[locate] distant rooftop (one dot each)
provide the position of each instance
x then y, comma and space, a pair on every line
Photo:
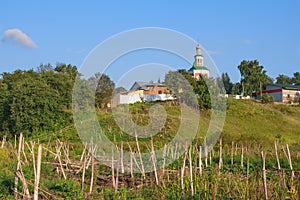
286, 86
146, 85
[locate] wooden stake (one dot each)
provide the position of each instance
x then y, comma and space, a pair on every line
117, 176
153, 160
113, 169
182, 171
242, 156
122, 159
232, 149
23, 152
131, 160
191, 171
20, 175
290, 162
276, 153
93, 168
58, 153
18, 165
31, 149
200, 160
83, 153
210, 157
140, 155
264, 174
83, 171
38, 173
3, 141
220, 160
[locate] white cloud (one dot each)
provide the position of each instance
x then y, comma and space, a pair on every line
19, 37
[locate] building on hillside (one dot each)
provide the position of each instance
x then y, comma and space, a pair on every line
281, 93
198, 68
143, 91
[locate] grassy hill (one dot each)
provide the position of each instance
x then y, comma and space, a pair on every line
247, 122
252, 122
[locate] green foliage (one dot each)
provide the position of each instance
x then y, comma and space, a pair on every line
228, 85
265, 98
4, 111
104, 88
254, 78
68, 189
181, 85
237, 88
32, 105
189, 90
283, 79
6, 186
36, 101
296, 78
7, 163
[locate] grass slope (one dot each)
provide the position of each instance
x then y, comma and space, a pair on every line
252, 122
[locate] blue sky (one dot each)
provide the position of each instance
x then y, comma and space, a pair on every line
231, 31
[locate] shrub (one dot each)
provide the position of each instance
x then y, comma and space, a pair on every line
265, 98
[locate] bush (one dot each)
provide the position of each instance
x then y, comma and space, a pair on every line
265, 98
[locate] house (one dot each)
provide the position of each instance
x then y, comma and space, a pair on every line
282, 93
198, 69
143, 91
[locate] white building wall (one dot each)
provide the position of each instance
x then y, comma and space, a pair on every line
127, 99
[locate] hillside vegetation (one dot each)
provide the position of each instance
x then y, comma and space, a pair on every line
252, 122
68, 168
247, 121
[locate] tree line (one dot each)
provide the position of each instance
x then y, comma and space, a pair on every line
255, 79
35, 101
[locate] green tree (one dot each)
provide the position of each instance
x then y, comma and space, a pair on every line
202, 92
104, 88
283, 79
190, 90
119, 90
182, 86
296, 78
236, 89
253, 77
31, 104
4, 112
227, 83
61, 79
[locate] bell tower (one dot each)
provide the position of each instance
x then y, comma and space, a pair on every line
198, 69
198, 57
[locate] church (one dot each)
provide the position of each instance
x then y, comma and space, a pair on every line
143, 91
198, 68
